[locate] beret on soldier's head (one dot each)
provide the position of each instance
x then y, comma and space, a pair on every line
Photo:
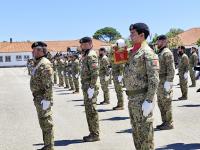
140, 28
162, 37
85, 40
38, 44
102, 49
181, 47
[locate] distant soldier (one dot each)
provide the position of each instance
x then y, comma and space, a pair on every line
104, 74
54, 62
141, 81
66, 73
30, 64
75, 72
165, 87
89, 75
70, 76
183, 68
60, 68
117, 72
193, 63
41, 87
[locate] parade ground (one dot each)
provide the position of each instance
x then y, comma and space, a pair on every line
19, 127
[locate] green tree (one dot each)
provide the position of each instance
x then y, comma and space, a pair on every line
107, 34
173, 32
198, 42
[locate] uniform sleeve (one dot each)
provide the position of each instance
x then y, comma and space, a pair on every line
152, 66
186, 64
46, 78
76, 67
106, 65
195, 60
169, 59
93, 67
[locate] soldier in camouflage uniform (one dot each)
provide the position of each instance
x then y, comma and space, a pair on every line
70, 75
60, 68
104, 75
54, 62
141, 81
89, 75
66, 73
75, 72
193, 63
117, 73
41, 87
166, 75
183, 68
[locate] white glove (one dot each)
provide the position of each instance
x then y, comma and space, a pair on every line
107, 78
168, 85
45, 104
66, 74
147, 108
76, 75
90, 93
120, 78
185, 75
62, 72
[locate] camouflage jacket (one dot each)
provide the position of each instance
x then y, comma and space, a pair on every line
75, 67
41, 80
142, 71
60, 65
167, 68
90, 70
183, 66
104, 66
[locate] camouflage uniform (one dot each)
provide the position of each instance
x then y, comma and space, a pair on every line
54, 71
166, 73
182, 69
141, 81
103, 72
41, 87
117, 70
193, 63
75, 73
60, 69
89, 75
70, 76
66, 74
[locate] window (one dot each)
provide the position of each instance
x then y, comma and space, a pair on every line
7, 59
26, 57
1, 58
19, 58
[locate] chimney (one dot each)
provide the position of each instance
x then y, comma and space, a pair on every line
11, 40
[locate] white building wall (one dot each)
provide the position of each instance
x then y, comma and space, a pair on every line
14, 61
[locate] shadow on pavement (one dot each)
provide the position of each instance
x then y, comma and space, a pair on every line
104, 110
80, 105
181, 146
64, 93
115, 119
189, 106
76, 100
125, 131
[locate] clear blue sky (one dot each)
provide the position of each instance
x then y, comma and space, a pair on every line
64, 19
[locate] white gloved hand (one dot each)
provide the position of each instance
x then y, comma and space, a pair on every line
76, 75
147, 108
62, 72
185, 75
107, 78
66, 74
168, 85
90, 93
120, 78
45, 104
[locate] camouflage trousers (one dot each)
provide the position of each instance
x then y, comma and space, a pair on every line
55, 77
90, 110
119, 91
165, 103
142, 132
46, 124
71, 83
76, 83
66, 80
183, 85
192, 76
61, 78
104, 87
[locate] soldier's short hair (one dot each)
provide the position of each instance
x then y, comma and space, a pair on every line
140, 28
102, 49
85, 40
181, 47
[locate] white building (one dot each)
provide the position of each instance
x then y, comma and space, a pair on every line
14, 54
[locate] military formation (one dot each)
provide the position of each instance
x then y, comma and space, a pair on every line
146, 75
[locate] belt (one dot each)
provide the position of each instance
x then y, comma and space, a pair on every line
135, 92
